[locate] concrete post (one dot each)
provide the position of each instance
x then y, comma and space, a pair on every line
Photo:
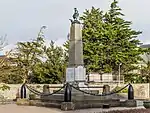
106, 89
46, 89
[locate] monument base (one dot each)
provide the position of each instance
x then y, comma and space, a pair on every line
131, 103
65, 106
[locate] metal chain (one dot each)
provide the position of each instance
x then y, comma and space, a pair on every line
100, 94
33, 89
43, 94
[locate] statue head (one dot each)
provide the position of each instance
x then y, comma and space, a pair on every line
75, 9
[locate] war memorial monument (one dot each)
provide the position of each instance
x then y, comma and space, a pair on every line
76, 93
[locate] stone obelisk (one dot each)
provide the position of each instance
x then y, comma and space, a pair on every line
75, 71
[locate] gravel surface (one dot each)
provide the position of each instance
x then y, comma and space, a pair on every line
131, 111
100, 110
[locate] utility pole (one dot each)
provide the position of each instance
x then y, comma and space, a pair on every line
119, 72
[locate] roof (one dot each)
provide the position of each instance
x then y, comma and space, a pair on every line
145, 46
2, 56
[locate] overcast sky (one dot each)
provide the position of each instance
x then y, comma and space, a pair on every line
22, 19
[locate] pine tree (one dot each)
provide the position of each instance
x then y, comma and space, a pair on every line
109, 40
53, 69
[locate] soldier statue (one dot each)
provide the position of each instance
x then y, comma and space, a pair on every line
75, 16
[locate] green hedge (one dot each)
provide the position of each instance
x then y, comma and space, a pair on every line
122, 91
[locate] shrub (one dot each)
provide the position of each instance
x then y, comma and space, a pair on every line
4, 87
122, 91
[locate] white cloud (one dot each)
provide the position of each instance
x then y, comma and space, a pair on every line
136, 10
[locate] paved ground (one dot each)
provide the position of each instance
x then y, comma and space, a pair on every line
12, 108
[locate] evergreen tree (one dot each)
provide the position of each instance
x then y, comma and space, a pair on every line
109, 40
53, 69
38, 63
122, 44
27, 55
93, 28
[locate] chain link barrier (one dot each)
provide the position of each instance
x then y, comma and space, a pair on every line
43, 94
106, 94
93, 94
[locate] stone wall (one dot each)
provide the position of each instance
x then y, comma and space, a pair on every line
11, 93
15, 88
141, 91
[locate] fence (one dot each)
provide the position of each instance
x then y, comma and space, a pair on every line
140, 90
68, 89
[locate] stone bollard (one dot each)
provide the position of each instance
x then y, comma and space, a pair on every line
17, 94
67, 104
67, 93
106, 89
46, 89
130, 92
23, 91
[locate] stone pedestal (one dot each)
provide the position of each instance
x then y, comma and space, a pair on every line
76, 73
106, 89
46, 89
76, 46
65, 106
22, 101
130, 103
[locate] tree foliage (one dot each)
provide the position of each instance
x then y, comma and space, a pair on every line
27, 54
145, 68
53, 69
10, 74
36, 62
109, 40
